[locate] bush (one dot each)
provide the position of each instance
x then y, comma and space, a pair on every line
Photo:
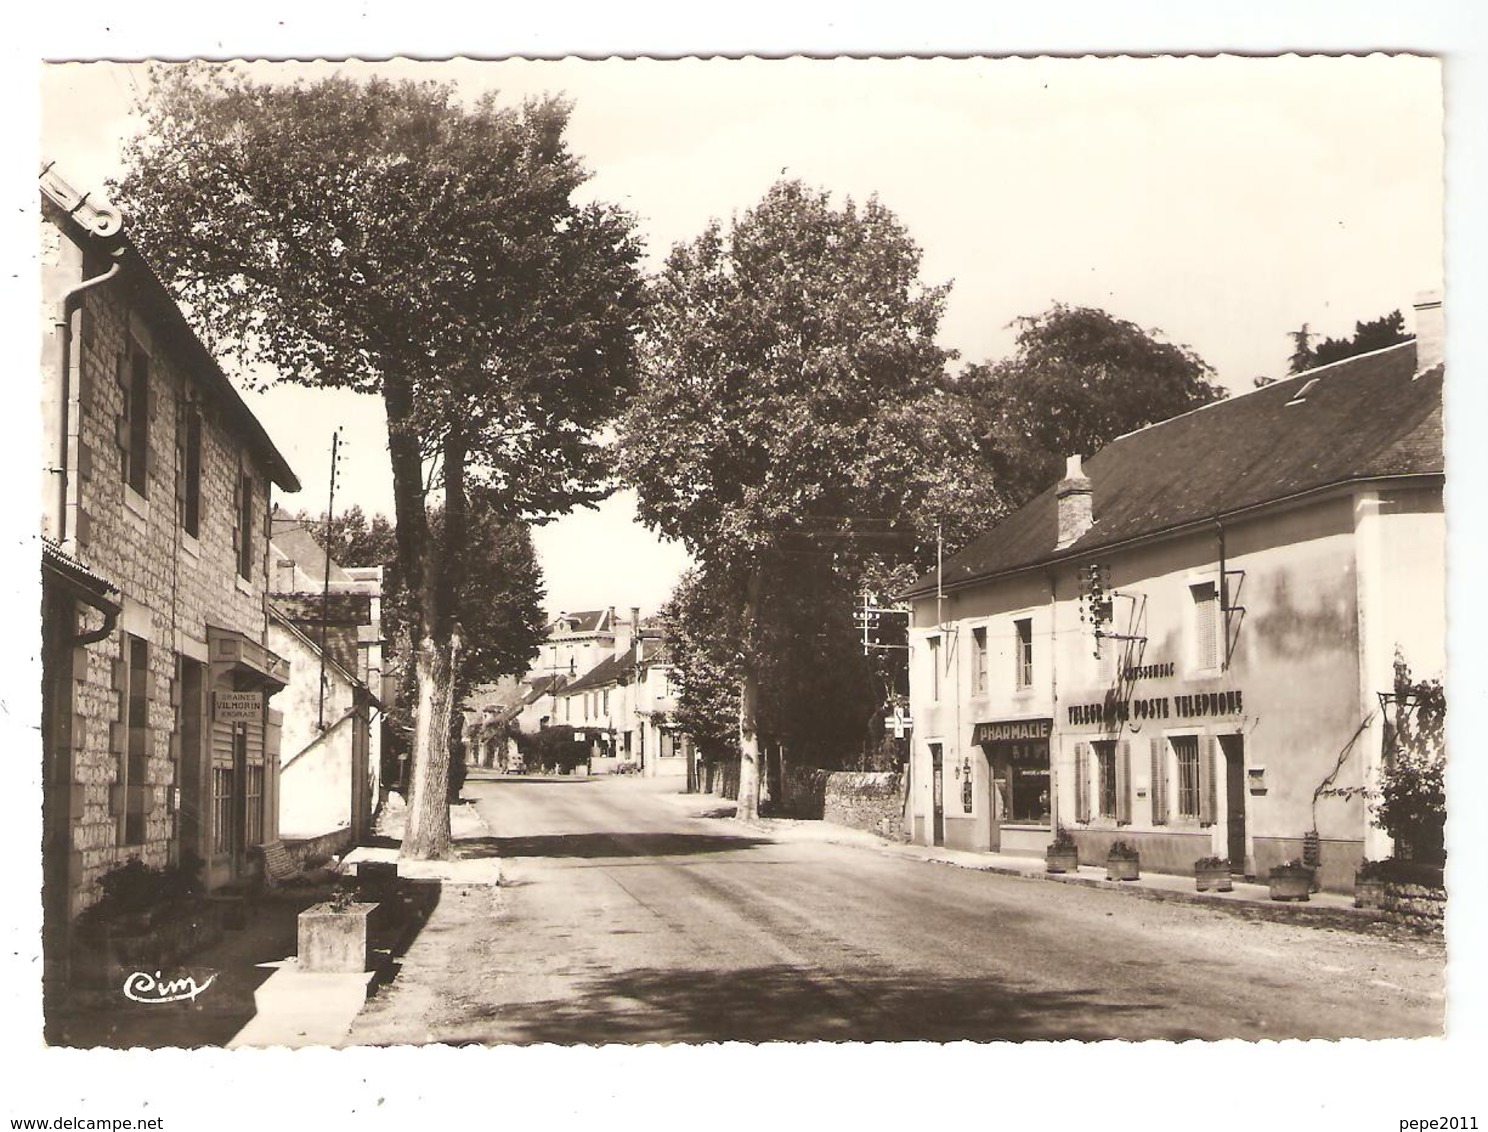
1121, 851
1412, 802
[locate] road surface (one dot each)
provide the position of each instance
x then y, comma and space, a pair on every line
628, 914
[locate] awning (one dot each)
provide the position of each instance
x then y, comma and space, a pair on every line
233, 650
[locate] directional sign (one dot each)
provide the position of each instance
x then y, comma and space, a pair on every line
899, 723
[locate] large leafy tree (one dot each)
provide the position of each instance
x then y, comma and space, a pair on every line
386, 238
790, 369
1079, 378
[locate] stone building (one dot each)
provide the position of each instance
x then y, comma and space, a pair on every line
1187, 644
158, 741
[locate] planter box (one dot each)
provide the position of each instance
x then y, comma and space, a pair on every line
1123, 868
333, 939
1213, 880
1291, 884
1062, 860
1369, 892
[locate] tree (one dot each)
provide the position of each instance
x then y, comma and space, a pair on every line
783, 365
384, 238
1079, 379
1411, 804
1387, 330
1304, 357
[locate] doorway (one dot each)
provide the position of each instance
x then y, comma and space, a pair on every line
1233, 747
937, 791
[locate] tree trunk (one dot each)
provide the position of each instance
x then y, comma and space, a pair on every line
427, 836
749, 748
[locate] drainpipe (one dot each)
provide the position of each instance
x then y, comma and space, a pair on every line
62, 324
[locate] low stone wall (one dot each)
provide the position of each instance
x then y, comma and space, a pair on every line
333, 844
868, 800
1419, 906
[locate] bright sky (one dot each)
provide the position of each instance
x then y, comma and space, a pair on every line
1225, 201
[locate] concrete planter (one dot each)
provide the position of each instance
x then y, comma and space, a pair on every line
1369, 892
336, 939
1062, 859
1123, 868
1213, 879
1291, 882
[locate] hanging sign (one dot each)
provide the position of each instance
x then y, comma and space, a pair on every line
237, 707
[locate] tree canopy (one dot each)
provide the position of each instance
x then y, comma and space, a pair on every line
1078, 379
1376, 334
387, 238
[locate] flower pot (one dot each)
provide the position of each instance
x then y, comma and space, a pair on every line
1123, 868
1213, 880
1369, 892
1291, 883
336, 938
1064, 859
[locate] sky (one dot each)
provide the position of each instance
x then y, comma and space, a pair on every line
1224, 201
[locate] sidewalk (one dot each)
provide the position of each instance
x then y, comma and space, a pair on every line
1248, 899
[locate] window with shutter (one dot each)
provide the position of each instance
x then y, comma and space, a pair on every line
137, 402
1159, 791
189, 483
1206, 625
1186, 757
1123, 783
1206, 781
1082, 782
244, 540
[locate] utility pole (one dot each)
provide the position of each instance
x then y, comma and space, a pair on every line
325, 593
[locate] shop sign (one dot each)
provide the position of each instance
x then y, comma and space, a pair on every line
237, 707
1197, 706
1012, 731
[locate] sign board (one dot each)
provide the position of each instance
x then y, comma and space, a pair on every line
1012, 730
237, 707
899, 723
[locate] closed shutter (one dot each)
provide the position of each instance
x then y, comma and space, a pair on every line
1159, 791
1082, 782
1123, 784
1206, 780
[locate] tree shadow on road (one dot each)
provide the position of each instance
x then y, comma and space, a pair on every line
782, 1003
605, 845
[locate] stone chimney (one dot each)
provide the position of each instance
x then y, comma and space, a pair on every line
1431, 331
1073, 499
635, 632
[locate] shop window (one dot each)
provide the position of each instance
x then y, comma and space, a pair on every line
1024, 658
1206, 625
979, 661
222, 810
1028, 768
253, 782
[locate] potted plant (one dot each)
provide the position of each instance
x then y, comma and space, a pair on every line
1291, 880
1123, 862
1212, 874
1369, 884
1062, 856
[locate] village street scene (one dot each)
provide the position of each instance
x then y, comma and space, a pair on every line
961, 557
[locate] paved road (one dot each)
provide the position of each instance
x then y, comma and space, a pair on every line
629, 916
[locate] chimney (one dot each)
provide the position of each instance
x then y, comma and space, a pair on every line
635, 631
1073, 499
1431, 331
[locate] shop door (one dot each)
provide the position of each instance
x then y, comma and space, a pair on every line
937, 792
1233, 747
996, 809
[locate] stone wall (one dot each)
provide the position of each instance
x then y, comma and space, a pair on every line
855, 799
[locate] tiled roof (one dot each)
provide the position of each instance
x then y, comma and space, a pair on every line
608, 671
1363, 418
586, 621
292, 539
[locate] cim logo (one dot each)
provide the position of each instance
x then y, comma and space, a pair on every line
143, 986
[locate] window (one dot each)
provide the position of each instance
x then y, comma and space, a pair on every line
1206, 625
605, 710
1186, 755
253, 801
1024, 658
244, 530
134, 427
137, 743
1105, 778
222, 810
933, 644
979, 661
191, 472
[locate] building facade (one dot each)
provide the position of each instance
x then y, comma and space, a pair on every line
158, 741
1188, 644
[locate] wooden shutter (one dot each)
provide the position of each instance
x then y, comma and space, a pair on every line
1082, 782
238, 517
1159, 791
1123, 784
1206, 780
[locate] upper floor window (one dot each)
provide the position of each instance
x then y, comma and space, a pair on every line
243, 528
979, 661
933, 646
1023, 659
1206, 640
191, 433
134, 422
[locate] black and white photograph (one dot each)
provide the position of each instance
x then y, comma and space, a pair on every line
870, 557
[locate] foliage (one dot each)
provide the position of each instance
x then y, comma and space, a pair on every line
1291, 867
1063, 838
553, 749
788, 417
134, 887
1079, 378
1121, 851
1208, 863
1411, 804
1377, 334
386, 238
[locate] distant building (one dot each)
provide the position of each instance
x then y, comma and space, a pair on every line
1252, 568
158, 739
